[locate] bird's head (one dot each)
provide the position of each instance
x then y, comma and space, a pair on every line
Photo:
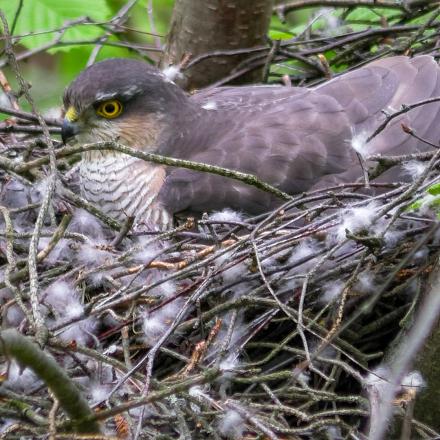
120, 99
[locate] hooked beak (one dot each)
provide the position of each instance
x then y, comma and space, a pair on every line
70, 127
68, 130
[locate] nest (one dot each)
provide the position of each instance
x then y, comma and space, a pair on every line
282, 326
274, 325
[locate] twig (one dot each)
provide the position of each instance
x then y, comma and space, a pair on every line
29, 129
41, 330
285, 8
407, 45
58, 234
207, 376
412, 133
407, 351
78, 201
123, 232
249, 179
29, 116
252, 420
149, 358
152, 24
405, 109
11, 267
118, 19
52, 417
17, 14
28, 354
364, 167
270, 57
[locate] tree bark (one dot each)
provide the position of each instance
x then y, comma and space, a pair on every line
427, 408
200, 27
426, 354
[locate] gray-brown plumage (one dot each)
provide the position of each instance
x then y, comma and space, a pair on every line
293, 138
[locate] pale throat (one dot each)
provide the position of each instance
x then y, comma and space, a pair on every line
121, 185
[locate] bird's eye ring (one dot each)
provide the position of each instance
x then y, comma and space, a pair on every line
109, 109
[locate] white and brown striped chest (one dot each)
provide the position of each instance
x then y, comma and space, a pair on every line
121, 185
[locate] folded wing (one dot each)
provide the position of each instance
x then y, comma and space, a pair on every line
297, 138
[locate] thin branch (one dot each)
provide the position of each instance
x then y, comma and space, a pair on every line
404, 109
284, 8
40, 328
28, 354
249, 179
29, 116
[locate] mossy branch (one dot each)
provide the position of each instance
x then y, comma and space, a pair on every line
246, 178
28, 354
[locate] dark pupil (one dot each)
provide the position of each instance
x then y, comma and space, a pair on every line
110, 108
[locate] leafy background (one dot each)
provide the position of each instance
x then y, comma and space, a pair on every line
39, 23
51, 70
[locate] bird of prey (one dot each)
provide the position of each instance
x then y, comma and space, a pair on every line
296, 139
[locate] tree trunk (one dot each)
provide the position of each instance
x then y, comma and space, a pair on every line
427, 360
427, 408
201, 27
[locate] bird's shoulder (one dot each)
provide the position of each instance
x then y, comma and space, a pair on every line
288, 137
249, 99
294, 138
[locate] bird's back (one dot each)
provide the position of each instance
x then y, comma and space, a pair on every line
297, 138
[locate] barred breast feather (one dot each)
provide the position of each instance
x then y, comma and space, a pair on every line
121, 185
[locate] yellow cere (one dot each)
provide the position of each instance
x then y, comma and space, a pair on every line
71, 114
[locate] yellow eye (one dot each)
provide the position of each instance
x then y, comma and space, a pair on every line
109, 109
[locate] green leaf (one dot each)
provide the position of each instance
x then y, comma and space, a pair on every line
330, 54
162, 10
435, 204
47, 16
434, 189
416, 205
421, 19
370, 14
278, 35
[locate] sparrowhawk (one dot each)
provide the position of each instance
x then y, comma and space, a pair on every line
293, 138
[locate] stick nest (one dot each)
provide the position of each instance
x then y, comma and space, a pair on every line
277, 326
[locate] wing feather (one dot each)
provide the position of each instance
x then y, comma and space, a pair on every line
297, 138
